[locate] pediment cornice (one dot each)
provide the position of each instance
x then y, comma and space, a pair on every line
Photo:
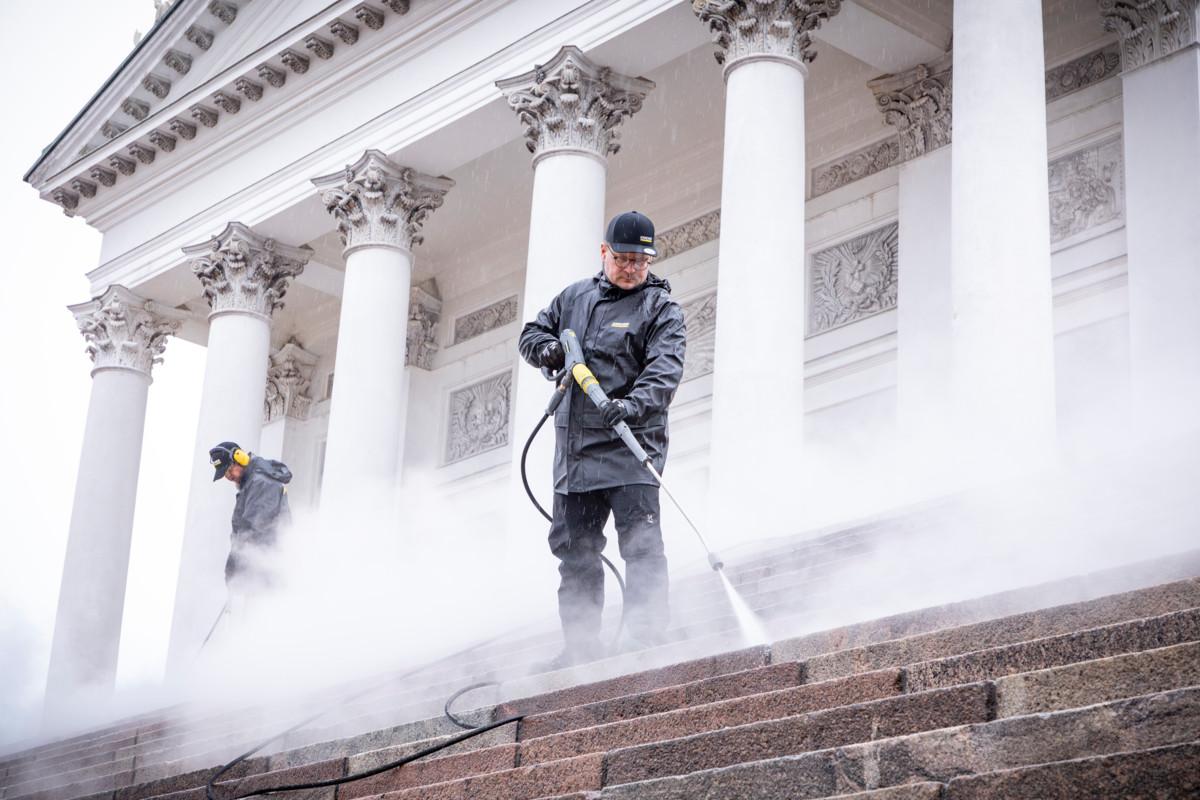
149, 78
130, 133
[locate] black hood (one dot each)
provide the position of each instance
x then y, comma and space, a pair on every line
275, 470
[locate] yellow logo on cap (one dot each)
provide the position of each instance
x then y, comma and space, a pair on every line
647, 239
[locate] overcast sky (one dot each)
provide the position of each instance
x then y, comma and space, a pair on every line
56, 56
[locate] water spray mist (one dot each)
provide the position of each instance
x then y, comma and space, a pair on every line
751, 627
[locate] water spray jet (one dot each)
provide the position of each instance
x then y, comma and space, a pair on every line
751, 627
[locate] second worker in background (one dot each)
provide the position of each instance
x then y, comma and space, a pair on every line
633, 338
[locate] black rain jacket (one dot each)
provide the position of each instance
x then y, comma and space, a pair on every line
633, 341
261, 508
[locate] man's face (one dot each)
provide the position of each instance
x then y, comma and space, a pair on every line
626, 270
234, 473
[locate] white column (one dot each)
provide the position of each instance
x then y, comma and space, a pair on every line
571, 109
1003, 345
758, 383
1161, 84
126, 334
918, 104
245, 277
380, 208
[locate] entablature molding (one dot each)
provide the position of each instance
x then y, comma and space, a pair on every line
470, 91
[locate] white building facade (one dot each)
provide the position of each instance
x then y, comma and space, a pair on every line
356, 205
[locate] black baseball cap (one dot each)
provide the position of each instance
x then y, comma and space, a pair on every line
221, 457
631, 232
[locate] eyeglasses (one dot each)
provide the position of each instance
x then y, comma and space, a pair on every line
631, 261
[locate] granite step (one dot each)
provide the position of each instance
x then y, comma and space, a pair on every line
1153, 774
938, 708
1098, 681
684, 695
846, 692
838, 726
566, 776
1035, 691
827, 660
1134, 724
1086, 645
923, 633
1144, 590
1173, 666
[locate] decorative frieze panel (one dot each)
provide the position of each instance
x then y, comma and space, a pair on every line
1087, 188
424, 312
573, 104
488, 318
747, 28
479, 418
289, 380
242, 271
1083, 72
859, 164
854, 279
1150, 29
692, 233
700, 315
124, 331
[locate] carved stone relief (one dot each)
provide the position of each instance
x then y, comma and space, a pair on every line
289, 379
918, 104
692, 233
424, 312
572, 103
859, 164
488, 318
764, 27
378, 202
479, 418
1150, 29
854, 279
700, 314
1087, 188
242, 271
124, 331
1082, 72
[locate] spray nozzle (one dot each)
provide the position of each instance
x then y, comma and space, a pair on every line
715, 561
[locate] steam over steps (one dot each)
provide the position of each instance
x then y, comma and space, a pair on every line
1084, 687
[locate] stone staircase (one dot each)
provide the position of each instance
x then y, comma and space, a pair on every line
1085, 687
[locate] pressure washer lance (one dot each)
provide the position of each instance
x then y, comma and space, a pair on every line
591, 387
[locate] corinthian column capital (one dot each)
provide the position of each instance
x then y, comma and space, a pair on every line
764, 29
243, 272
378, 203
124, 331
573, 104
1150, 29
288, 380
917, 103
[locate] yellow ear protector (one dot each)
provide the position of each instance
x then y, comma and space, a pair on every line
239, 456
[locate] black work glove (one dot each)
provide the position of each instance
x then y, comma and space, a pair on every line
613, 411
552, 357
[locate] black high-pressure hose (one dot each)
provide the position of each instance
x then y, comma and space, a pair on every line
210, 786
470, 730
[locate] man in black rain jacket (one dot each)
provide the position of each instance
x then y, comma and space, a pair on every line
633, 340
260, 510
